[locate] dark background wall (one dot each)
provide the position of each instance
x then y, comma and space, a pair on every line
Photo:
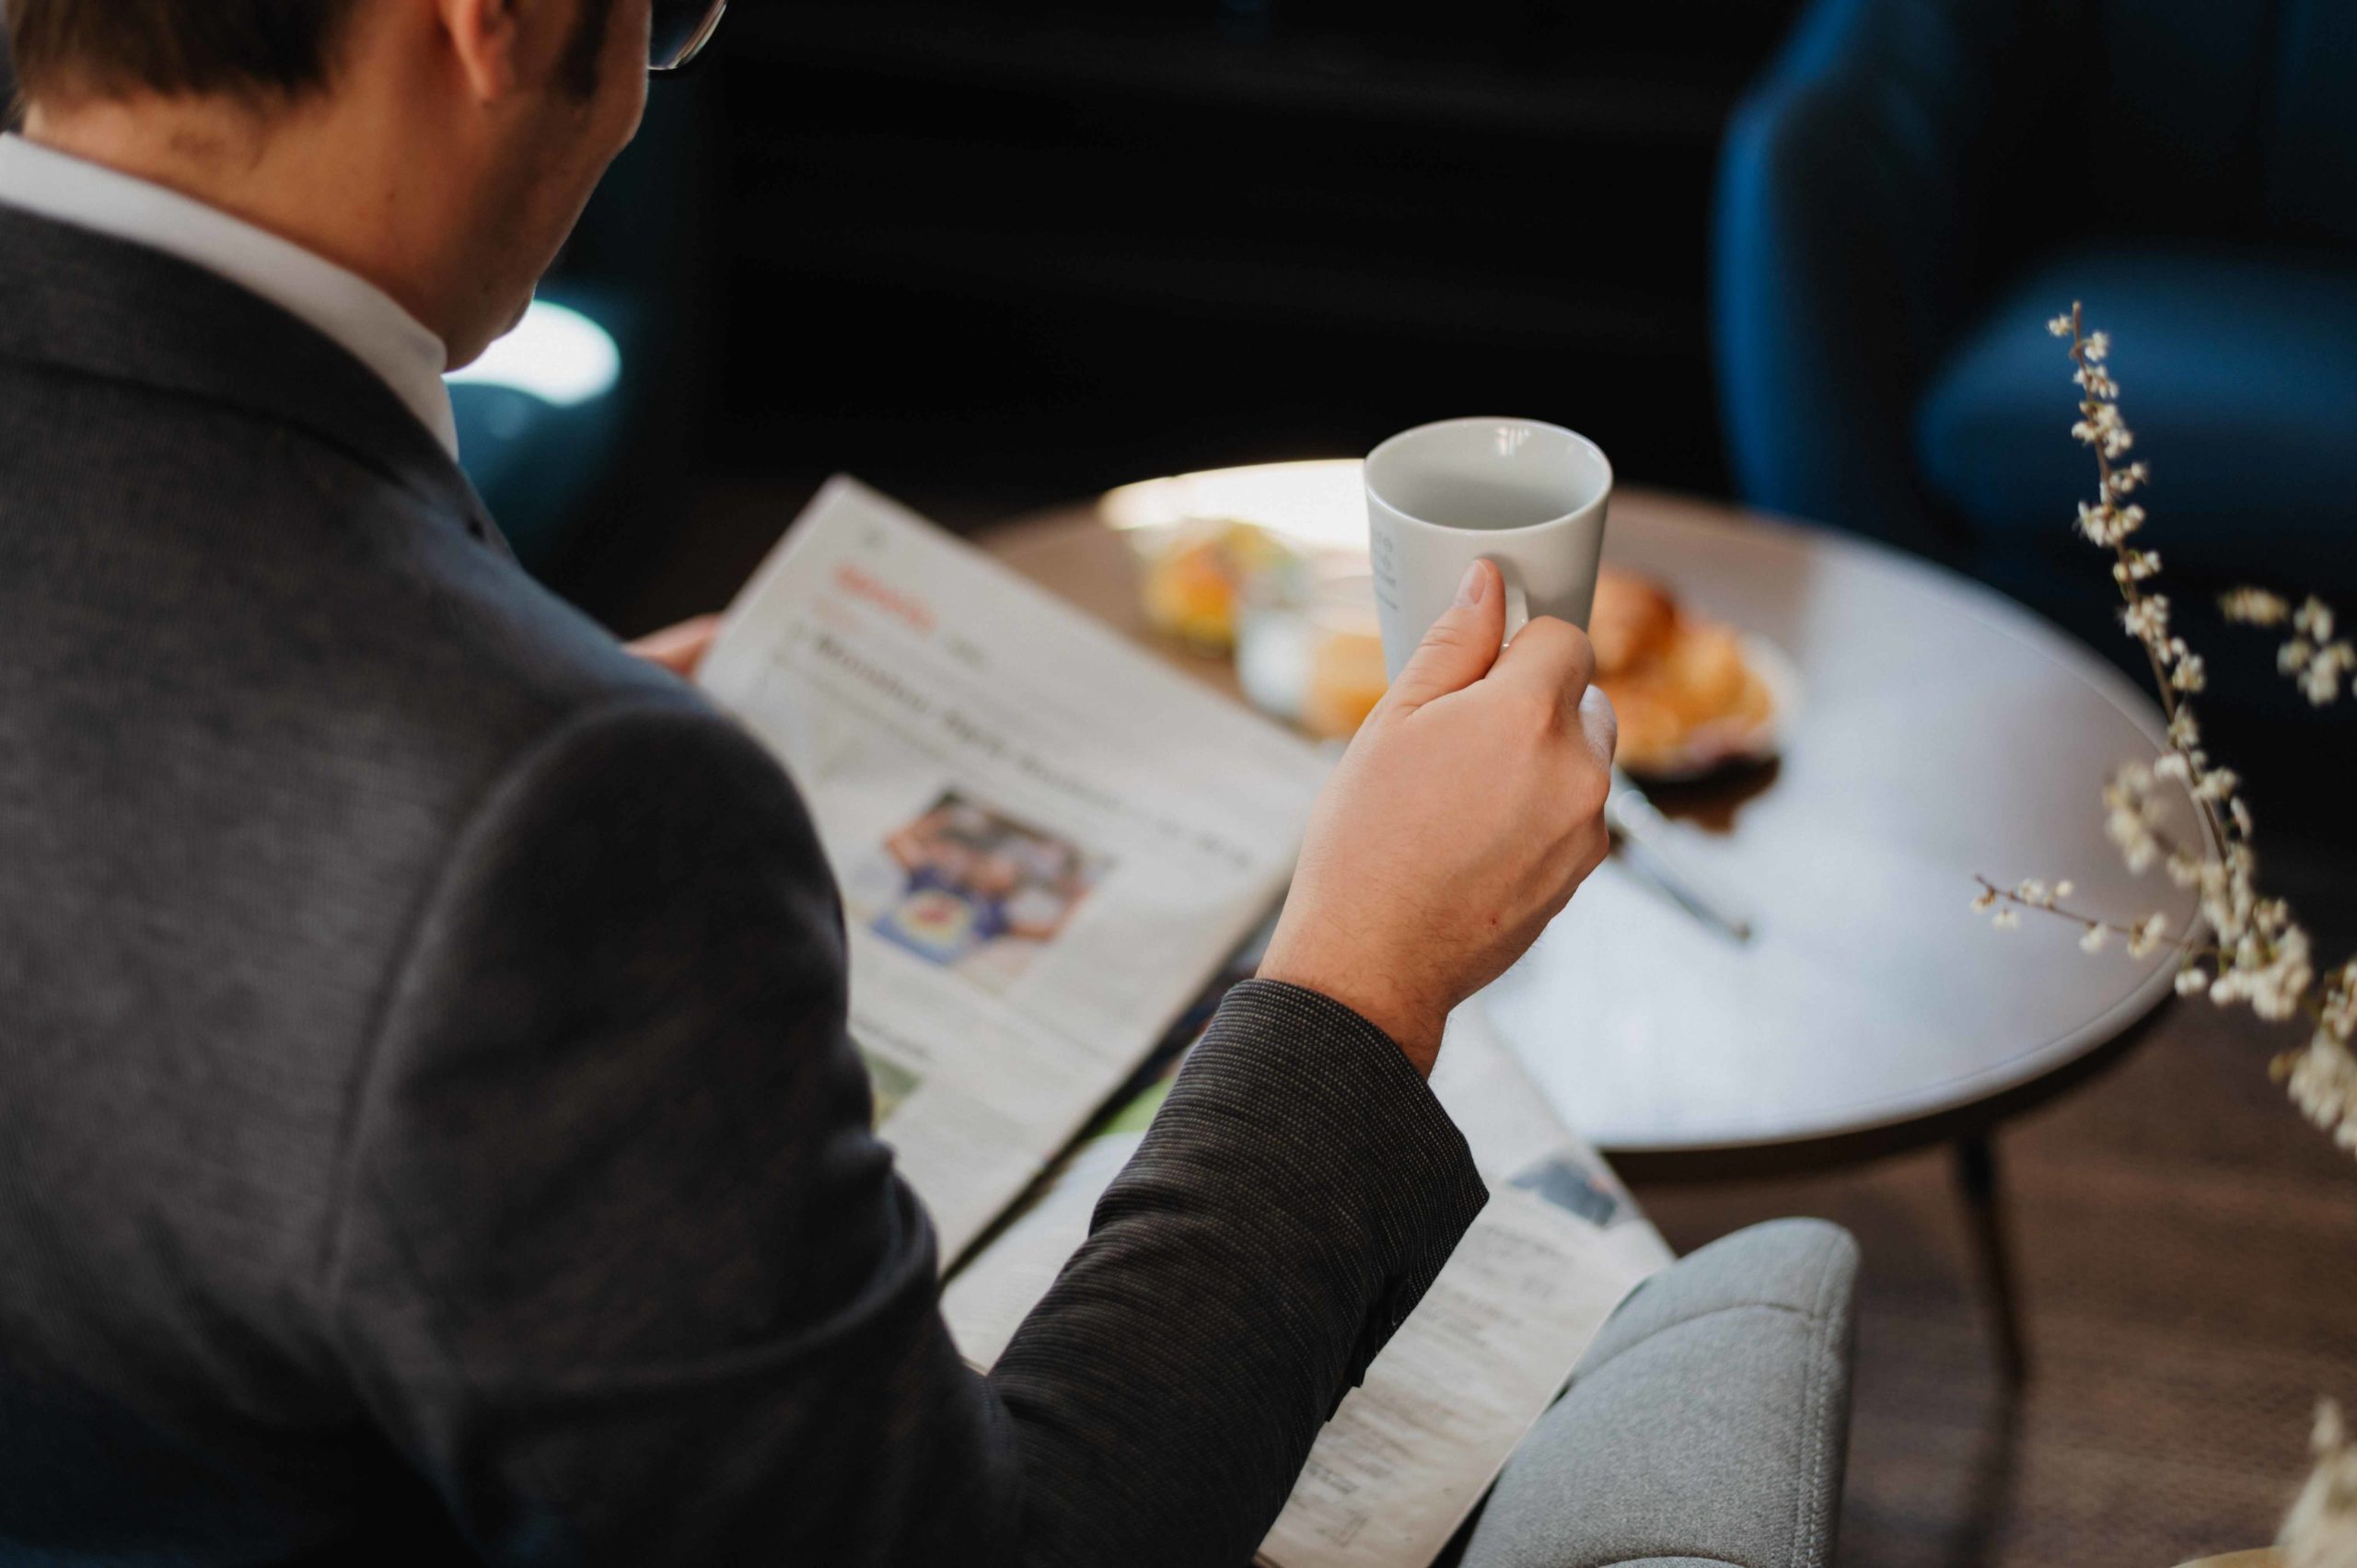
999, 253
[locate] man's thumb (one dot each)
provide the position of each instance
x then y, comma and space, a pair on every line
1462, 643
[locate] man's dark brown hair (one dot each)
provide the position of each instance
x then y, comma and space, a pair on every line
260, 48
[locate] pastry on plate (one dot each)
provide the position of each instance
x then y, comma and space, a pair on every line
1691, 694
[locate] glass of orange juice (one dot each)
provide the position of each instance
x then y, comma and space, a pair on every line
1310, 650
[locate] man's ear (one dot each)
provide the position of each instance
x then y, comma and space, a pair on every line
487, 38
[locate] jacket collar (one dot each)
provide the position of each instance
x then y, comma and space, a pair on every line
82, 301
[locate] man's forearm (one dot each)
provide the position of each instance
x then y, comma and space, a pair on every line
1295, 1197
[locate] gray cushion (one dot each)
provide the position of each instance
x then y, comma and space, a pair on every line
1706, 1426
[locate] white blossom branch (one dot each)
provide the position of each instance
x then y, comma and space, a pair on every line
2259, 956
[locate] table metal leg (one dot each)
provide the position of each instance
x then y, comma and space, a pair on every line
1976, 1169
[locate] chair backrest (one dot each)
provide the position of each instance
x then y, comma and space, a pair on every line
2311, 160
2245, 108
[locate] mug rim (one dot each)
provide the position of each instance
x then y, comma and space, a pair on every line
1604, 492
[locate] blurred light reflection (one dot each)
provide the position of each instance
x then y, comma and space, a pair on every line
554, 354
1316, 506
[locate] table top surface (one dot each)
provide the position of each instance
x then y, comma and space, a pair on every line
1943, 732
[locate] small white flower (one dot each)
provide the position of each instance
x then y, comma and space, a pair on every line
1986, 897
2184, 733
2254, 607
2191, 674
2321, 1530
2313, 620
2192, 980
2098, 344
2218, 783
2147, 619
2241, 815
2005, 919
2276, 982
2059, 326
2339, 1015
2132, 814
2147, 934
2109, 525
2100, 524
2065, 887
2174, 766
2093, 938
2322, 1081
2321, 669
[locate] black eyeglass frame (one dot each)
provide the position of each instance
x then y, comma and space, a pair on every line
688, 52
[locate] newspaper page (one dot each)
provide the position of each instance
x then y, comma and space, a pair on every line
1046, 841
1414, 1446
1400, 1465
1517, 1139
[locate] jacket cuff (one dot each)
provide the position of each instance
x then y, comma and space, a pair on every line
1298, 1063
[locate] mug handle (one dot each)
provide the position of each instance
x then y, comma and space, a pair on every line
1518, 605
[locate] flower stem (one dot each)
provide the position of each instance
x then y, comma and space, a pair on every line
2085, 922
2213, 825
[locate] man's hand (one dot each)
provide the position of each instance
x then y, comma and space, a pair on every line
680, 648
1466, 813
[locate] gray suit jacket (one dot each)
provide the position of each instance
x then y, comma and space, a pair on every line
424, 1100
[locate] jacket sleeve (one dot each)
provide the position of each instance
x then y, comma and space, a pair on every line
621, 1270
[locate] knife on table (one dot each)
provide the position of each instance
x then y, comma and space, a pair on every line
1641, 828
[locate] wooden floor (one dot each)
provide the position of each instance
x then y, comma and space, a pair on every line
2188, 1258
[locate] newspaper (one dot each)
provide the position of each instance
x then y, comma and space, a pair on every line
1408, 1452
1045, 839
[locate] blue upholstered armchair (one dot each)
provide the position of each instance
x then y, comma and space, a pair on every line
1916, 186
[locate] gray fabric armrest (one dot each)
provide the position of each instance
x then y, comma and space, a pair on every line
1705, 1426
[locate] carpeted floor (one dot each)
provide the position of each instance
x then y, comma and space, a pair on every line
2188, 1258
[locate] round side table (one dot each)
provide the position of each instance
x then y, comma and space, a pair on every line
1943, 732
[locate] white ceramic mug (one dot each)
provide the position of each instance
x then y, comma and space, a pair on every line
1527, 496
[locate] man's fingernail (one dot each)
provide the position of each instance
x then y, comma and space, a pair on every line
1476, 580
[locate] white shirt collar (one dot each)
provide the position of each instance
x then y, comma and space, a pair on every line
347, 308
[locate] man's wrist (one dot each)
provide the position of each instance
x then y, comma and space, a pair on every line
1414, 1028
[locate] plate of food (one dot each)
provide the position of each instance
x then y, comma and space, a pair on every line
1693, 696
